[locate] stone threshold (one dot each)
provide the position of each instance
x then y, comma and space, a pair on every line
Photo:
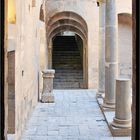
109, 114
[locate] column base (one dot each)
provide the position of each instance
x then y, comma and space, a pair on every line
102, 105
120, 129
100, 94
121, 123
108, 106
47, 99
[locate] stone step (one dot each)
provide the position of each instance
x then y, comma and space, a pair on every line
67, 80
66, 57
69, 64
60, 60
78, 77
67, 52
68, 73
64, 40
76, 73
57, 59
69, 69
67, 84
65, 48
69, 43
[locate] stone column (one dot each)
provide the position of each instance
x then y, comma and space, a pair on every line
111, 54
101, 85
47, 94
122, 117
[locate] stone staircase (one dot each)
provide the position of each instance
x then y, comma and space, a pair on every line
67, 63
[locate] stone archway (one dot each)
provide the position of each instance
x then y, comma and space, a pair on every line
68, 21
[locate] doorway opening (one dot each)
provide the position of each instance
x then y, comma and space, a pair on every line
11, 92
67, 60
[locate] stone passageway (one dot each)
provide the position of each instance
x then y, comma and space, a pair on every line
67, 63
75, 115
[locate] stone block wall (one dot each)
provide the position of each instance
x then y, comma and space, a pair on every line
25, 38
89, 11
125, 49
84, 9
29, 42
11, 92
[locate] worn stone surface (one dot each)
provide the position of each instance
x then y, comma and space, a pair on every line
75, 115
27, 38
47, 94
53, 7
121, 124
109, 115
24, 37
123, 104
111, 53
101, 84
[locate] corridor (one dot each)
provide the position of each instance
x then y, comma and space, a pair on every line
75, 115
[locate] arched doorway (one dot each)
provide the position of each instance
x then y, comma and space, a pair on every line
58, 27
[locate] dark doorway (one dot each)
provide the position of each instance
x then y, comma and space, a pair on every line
67, 60
11, 92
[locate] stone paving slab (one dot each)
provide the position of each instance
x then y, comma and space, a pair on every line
75, 115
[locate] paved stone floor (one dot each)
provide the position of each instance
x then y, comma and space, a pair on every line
75, 115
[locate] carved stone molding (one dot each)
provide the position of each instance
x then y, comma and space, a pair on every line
101, 1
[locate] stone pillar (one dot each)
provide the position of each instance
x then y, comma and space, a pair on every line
111, 54
50, 56
101, 85
47, 95
122, 117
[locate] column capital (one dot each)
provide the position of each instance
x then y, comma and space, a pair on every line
101, 1
48, 73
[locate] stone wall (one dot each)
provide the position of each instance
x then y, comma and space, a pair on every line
89, 11
84, 9
26, 38
125, 47
11, 92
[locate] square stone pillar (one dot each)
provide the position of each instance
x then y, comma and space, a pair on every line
47, 94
